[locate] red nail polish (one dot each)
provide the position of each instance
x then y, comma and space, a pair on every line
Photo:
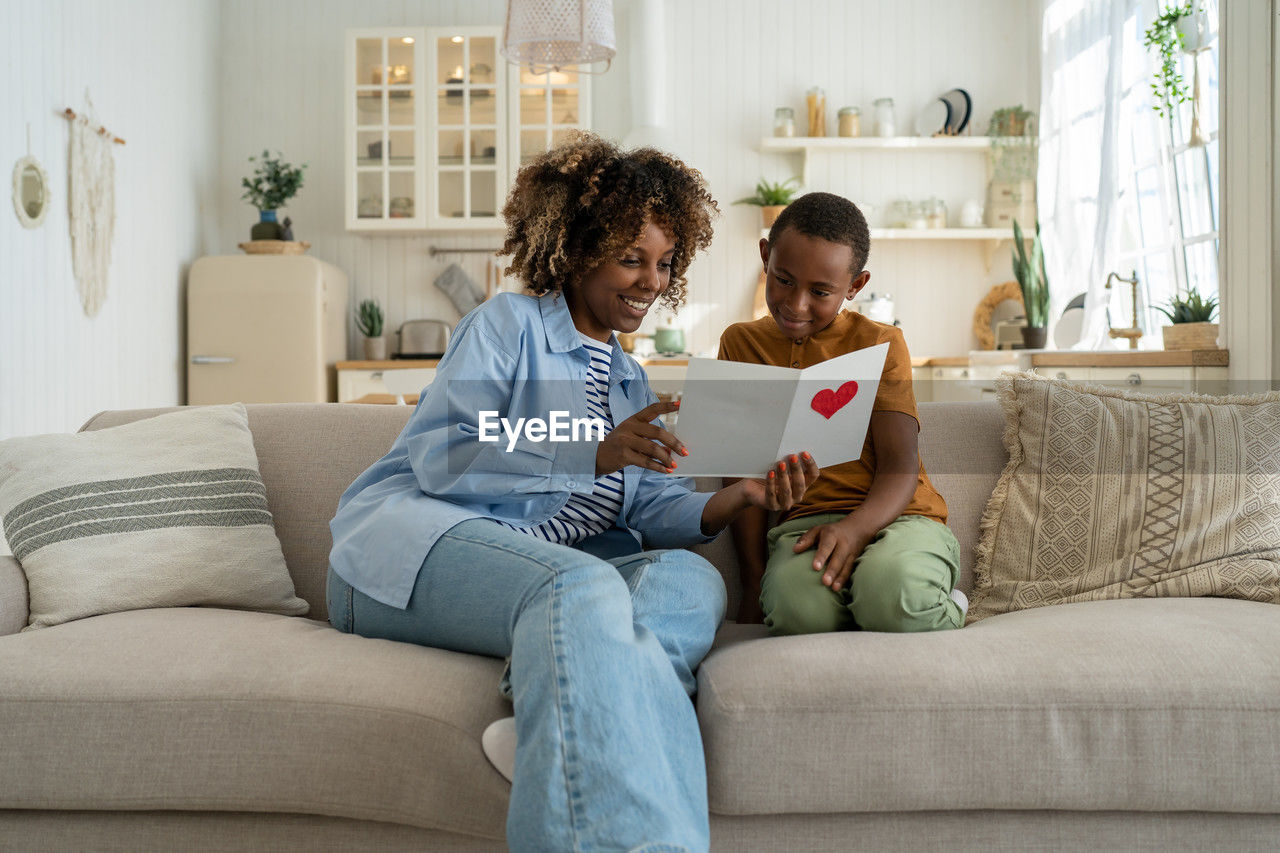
794, 460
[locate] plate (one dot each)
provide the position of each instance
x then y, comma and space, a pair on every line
961, 108
933, 118
1070, 326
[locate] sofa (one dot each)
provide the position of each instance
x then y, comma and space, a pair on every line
1137, 725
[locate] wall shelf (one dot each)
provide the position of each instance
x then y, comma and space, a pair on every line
935, 143
805, 145
991, 238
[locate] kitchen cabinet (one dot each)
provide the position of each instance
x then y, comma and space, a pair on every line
358, 379
438, 123
1147, 380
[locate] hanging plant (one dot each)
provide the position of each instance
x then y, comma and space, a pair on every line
1169, 87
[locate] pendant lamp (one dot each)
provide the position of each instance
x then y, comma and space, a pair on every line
553, 34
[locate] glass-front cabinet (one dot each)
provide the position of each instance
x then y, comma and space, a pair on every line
386, 178
467, 149
438, 123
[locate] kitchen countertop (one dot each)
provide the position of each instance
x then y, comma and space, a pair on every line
1135, 358
1047, 358
388, 364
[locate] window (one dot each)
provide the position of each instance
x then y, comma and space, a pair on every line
1168, 199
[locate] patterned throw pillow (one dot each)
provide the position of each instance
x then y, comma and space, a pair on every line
1111, 494
164, 512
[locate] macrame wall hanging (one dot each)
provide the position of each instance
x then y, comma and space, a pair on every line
91, 195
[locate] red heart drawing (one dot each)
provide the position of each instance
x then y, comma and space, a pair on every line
827, 402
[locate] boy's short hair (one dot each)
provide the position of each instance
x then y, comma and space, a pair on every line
831, 218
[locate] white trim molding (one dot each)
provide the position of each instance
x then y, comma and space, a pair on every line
1248, 263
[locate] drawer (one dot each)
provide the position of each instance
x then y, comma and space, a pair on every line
1154, 380
354, 384
954, 385
1071, 374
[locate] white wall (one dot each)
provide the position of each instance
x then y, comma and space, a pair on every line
726, 65
150, 69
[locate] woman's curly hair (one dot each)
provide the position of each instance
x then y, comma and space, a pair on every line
585, 202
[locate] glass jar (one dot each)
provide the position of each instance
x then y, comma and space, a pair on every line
885, 125
916, 217
784, 122
816, 101
935, 213
898, 213
849, 121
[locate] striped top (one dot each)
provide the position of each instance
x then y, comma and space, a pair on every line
586, 515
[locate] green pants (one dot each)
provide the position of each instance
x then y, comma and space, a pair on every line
901, 582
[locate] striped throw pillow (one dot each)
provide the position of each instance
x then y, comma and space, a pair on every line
164, 512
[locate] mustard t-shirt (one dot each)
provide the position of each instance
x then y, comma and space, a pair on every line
840, 488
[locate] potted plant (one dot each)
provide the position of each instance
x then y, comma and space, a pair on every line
1034, 283
272, 183
369, 322
772, 198
1192, 319
1012, 121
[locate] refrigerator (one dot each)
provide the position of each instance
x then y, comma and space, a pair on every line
264, 329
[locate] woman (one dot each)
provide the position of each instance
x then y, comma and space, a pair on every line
531, 548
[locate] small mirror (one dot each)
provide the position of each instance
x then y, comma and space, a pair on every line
30, 192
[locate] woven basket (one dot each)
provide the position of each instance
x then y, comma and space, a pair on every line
1184, 336
275, 247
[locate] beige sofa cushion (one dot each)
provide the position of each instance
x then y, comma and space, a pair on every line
1153, 704
200, 709
308, 454
1111, 494
167, 512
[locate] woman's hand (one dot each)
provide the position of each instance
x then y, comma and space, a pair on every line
780, 489
838, 545
784, 485
635, 441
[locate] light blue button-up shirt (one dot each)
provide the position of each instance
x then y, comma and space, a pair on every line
521, 357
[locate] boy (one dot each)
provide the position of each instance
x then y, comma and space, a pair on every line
867, 546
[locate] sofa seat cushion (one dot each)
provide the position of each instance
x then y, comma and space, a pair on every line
1150, 705
217, 710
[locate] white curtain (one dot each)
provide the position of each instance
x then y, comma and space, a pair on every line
1092, 60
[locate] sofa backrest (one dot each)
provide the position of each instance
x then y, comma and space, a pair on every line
310, 452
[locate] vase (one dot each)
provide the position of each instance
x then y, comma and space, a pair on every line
375, 349
267, 228
1034, 337
769, 214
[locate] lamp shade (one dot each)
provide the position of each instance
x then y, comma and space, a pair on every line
557, 33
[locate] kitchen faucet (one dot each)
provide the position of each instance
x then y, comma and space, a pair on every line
1132, 332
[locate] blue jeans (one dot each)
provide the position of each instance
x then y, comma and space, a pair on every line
603, 653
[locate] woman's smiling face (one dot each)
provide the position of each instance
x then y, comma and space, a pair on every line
617, 294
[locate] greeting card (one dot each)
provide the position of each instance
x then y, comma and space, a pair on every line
739, 419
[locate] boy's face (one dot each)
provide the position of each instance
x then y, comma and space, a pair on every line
807, 281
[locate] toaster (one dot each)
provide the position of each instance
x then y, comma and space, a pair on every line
422, 339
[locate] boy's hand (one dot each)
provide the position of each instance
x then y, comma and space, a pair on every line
784, 485
635, 441
838, 545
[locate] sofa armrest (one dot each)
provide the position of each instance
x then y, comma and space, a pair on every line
13, 596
